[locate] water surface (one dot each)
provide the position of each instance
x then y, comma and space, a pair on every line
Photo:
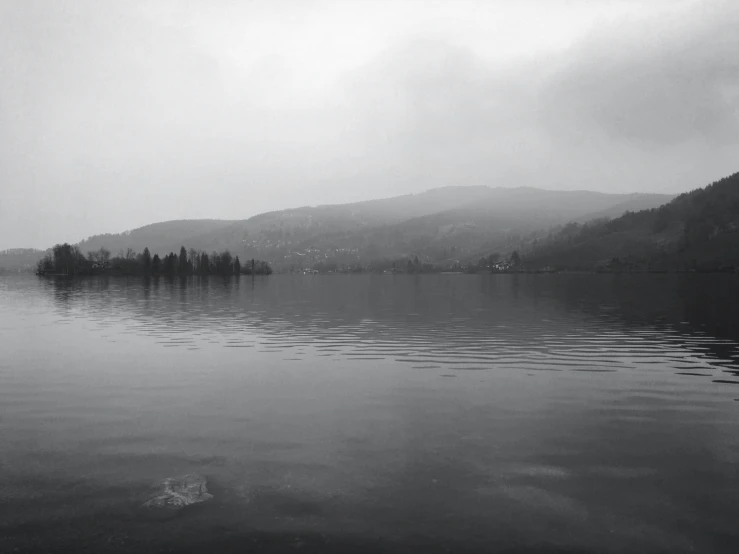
372, 413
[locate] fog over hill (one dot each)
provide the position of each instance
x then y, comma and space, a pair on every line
448, 223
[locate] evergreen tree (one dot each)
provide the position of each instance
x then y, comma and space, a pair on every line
225, 263
182, 264
170, 261
146, 260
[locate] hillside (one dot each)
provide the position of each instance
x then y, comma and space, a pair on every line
698, 230
439, 225
159, 237
634, 203
23, 259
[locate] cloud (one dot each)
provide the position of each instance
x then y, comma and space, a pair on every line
164, 110
623, 109
655, 83
431, 111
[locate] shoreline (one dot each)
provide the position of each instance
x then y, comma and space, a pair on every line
732, 271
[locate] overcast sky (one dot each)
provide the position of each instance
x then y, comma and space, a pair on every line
116, 114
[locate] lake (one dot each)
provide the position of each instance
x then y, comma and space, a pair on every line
372, 413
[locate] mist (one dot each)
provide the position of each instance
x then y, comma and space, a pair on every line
115, 115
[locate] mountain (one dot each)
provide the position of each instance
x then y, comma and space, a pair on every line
698, 230
440, 225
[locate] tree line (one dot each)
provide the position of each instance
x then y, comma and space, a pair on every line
493, 263
68, 259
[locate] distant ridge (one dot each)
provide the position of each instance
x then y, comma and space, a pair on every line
19, 258
442, 225
437, 225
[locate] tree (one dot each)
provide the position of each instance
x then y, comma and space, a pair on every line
263, 268
146, 260
515, 259
100, 257
68, 259
182, 265
104, 256
194, 261
237, 266
169, 264
156, 264
225, 263
45, 264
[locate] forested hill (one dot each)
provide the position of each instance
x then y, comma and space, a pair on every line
19, 259
698, 230
161, 237
442, 226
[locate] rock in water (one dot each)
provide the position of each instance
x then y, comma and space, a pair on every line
178, 492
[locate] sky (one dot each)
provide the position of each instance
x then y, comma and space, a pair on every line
114, 115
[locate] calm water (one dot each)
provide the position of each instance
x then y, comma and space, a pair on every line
440, 413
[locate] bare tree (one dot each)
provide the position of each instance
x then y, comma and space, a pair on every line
103, 256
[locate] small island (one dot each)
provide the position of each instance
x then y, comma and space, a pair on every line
68, 260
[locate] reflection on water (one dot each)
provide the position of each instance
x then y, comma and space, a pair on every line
591, 413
